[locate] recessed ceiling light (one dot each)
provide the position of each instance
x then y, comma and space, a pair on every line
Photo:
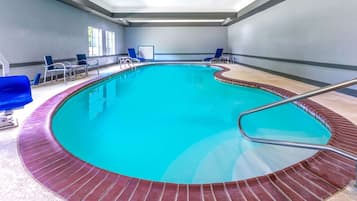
242, 4
175, 21
184, 6
226, 21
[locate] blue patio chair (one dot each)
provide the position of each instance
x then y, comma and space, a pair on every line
82, 61
51, 68
218, 54
132, 55
15, 92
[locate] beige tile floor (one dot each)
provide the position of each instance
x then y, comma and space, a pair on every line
17, 184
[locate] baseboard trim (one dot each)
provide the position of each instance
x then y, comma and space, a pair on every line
311, 63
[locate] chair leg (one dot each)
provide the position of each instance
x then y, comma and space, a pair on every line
45, 77
64, 76
7, 120
74, 73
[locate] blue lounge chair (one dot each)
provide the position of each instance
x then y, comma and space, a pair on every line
132, 55
82, 61
15, 92
218, 54
51, 67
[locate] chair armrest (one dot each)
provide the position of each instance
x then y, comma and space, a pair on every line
67, 63
54, 65
135, 59
96, 61
89, 61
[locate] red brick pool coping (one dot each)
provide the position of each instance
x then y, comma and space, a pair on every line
315, 178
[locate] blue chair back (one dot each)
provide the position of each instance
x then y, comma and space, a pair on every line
131, 52
82, 59
15, 92
49, 61
219, 53
36, 81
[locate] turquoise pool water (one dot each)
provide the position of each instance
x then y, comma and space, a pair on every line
176, 123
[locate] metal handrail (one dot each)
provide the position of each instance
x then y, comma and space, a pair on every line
5, 65
300, 144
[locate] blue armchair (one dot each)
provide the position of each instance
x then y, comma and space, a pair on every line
51, 68
86, 63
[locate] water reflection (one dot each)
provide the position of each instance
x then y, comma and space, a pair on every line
96, 102
103, 96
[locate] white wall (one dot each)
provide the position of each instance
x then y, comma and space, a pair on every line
178, 40
319, 30
32, 29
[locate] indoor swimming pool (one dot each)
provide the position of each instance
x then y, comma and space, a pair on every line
176, 123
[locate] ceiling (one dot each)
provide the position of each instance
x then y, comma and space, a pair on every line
166, 12
172, 5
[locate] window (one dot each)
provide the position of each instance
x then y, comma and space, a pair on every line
95, 41
109, 43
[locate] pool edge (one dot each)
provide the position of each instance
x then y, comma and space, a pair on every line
36, 145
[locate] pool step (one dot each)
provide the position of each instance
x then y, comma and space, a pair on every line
203, 154
217, 163
266, 159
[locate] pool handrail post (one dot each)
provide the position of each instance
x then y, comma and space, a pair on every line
300, 144
5, 65
356, 176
